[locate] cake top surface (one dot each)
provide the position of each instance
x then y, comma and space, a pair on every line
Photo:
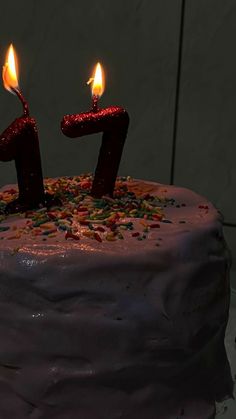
142, 215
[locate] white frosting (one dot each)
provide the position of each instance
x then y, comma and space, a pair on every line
116, 329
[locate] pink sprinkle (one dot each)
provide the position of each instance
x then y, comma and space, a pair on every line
84, 223
136, 234
51, 216
156, 216
70, 235
97, 237
154, 225
10, 191
85, 184
82, 209
101, 229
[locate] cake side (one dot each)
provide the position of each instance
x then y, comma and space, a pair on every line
125, 322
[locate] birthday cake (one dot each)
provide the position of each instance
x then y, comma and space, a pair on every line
114, 307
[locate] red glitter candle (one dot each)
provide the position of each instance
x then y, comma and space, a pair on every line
113, 122
19, 142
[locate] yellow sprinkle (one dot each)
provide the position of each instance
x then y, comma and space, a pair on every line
17, 236
142, 222
15, 250
110, 237
89, 234
47, 226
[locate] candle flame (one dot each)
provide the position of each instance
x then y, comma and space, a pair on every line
98, 81
10, 70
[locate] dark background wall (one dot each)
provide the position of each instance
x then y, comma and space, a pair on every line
170, 63
59, 42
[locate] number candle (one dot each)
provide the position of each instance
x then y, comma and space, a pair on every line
113, 122
19, 142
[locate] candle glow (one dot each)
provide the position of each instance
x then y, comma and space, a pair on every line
98, 81
10, 71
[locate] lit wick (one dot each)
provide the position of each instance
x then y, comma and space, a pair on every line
113, 122
98, 86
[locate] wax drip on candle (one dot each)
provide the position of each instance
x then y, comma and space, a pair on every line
113, 122
23, 101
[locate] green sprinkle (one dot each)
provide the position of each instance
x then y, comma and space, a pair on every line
38, 223
4, 228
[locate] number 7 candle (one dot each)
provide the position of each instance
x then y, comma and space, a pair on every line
113, 122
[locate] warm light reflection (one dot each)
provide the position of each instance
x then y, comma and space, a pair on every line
60, 249
10, 70
98, 81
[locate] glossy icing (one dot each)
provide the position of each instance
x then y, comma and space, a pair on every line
98, 330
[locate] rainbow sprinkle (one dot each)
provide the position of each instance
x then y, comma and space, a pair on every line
103, 219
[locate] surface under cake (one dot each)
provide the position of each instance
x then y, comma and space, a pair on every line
109, 307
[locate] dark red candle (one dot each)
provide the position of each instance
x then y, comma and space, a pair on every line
19, 142
113, 122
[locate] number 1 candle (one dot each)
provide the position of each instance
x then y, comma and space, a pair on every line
113, 122
19, 142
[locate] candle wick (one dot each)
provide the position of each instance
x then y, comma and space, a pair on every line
95, 103
23, 101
